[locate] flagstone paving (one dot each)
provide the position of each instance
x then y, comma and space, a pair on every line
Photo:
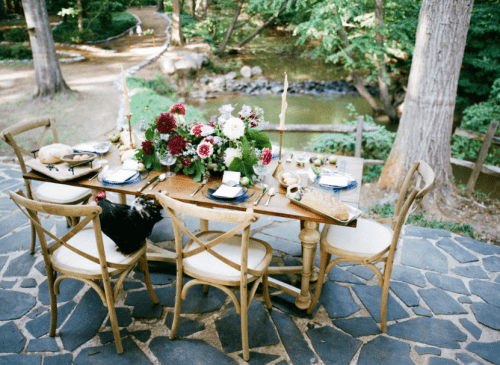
444, 306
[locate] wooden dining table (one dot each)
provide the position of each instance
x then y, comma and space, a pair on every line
181, 186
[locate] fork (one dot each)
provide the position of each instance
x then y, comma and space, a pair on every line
289, 159
271, 194
203, 183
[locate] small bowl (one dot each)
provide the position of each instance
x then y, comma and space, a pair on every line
76, 158
292, 174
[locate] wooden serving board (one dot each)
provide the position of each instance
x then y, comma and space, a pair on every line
62, 173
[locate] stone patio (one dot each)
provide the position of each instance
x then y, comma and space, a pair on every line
444, 306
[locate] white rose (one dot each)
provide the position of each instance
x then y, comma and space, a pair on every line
226, 110
230, 154
234, 128
206, 130
245, 111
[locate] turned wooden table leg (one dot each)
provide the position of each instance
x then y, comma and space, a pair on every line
309, 236
122, 198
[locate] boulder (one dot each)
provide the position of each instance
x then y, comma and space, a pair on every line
256, 70
231, 75
183, 67
246, 72
197, 58
167, 66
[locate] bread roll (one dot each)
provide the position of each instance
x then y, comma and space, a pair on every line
54, 152
326, 204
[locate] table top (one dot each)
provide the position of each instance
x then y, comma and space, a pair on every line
181, 186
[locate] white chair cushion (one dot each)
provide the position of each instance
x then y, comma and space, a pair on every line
368, 238
205, 264
60, 193
85, 241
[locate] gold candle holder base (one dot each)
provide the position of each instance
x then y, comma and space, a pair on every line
280, 167
132, 144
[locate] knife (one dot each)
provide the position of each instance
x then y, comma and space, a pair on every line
147, 184
260, 196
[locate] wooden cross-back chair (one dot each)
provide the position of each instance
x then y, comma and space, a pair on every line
372, 241
219, 259
46, 192
84, 254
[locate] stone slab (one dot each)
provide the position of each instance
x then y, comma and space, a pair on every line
333, 346
371, 297
258, 358
123, 316
384, 350
424, 232
358, 326
14, 174
340, 275
28, 283
421, 311
292, 339
497, 280
18, 241
441, 302
14, 304
441, 361
187, 351
478, 246
41, 325
488, 351
3, 260
490, 292
20, 266
65, 359
472, 271
7, 204
454, 249
160, 273
471, 327
464, 300
447, 283
162, 231
186, 326
107, 354
68, 289
290, 248
21, 360
289, 232
286, 303
408, 275
7, 284
487, 314
107, 336
131, 285
11, 222
361, 271
85, 321
466, 359
43, 345
405, 293
431, 331
422, 254
261, 332
142, 335
11, 339
10, 184
428, 350
337, 300
492, 263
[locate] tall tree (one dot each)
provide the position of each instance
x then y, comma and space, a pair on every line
79, 10
48, 76
160, 6
425, 128
3, 10
231, 27
177, 38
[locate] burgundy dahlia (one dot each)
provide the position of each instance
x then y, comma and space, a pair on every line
176, 145
186, 162
266, 156
178, 109
147, 147
166, 123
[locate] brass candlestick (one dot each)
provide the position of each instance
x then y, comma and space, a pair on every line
129, 115
279, 168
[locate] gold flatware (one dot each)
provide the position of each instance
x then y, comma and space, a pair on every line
161, 178
203, 183
260, 196
147, 184
271, 194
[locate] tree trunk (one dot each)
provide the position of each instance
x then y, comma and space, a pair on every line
177, 38
385, 97
193, 7
205, 9
231, 26
425, 128
160, 7
17, 6
48, 76
3, 10
79, 9
266, 24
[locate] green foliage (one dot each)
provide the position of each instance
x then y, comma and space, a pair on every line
263, 10
16, 34
15, 52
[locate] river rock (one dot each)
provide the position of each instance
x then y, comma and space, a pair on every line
231, 75
197, 58
184, 66
256, 70
167, 66
246, 72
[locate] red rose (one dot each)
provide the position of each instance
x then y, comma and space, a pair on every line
176, 144
147, 147
166, 123
178, 109
266, 156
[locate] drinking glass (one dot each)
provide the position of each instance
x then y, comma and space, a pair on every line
100, 148
260, 172
168, 160
301, 158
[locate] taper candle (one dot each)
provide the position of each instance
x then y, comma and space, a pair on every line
283, 104
125, 92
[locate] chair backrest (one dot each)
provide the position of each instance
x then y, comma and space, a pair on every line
88, 213
245, 219
8, 134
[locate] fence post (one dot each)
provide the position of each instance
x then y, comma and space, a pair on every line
480, 159
359, 136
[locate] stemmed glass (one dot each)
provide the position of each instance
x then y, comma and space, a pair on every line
301, 158
100, 148
168, 160
260, 172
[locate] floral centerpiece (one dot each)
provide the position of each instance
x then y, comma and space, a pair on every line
230, 143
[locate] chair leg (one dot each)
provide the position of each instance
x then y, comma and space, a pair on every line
265, 292
33, 239
244, 323
112, 316
178, 303
383, 306
325, 259
147, 280
205, 288
53, 302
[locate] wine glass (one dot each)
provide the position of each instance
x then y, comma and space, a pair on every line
100, 148
168, 160
260, 172
301, 158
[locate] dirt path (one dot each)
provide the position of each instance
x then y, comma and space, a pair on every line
93, 108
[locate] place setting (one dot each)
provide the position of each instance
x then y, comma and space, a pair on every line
229, 190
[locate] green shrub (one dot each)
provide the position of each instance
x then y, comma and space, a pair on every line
17, 34
15, 52
160, 85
